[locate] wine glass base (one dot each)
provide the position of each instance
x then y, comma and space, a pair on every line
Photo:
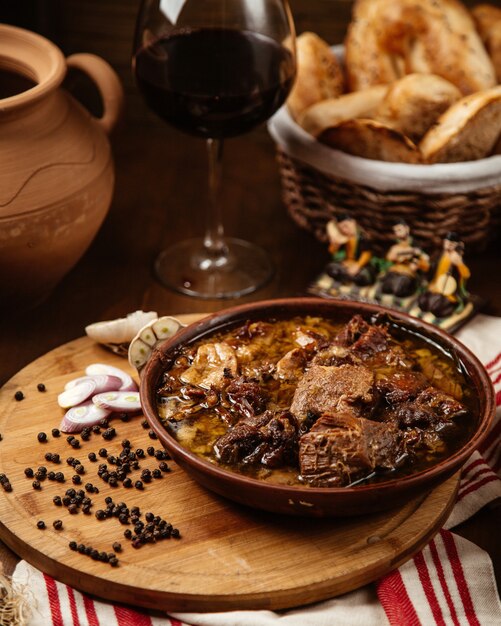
186, 268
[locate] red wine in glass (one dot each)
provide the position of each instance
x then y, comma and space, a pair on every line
214, 81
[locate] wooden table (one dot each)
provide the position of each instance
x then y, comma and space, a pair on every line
159, 199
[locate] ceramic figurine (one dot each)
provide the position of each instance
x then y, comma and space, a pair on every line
446, 293
351, 255
406, 264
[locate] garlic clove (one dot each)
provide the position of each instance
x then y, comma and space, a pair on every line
120, 330
147, 338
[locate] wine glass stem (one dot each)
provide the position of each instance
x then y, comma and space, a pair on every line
214, 243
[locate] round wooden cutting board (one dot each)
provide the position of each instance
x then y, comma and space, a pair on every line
228, 557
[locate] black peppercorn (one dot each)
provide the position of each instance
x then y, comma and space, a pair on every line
175, 533
70, 460
109, 433
140, 453
60, 477
57, 500
150, 450
138, 485
51, 475
117, 546
127, 483
164, 467
56, 432
92, 457
81, 548
36, 485
104, 423
73, 545
76, 479
58, 524
6, 486
80, 469
41, 387
42, 437
41, 524
157, 473
149, 516
103, 452
73, 509
145, 424
94, 555
19, 395
100, 514
29, 473
152, 434
128, 533
95, 429
125, 443
75, 443
70, 438
112, 482
71, 492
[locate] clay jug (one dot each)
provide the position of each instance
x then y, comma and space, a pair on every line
56, 168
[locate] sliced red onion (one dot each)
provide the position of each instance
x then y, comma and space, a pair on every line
124, 401
103, 382
78, 417
77, 394
128, 384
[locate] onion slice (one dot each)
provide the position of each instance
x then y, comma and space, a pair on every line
124, 401
104, 382
128, 384
78, 417
77, 394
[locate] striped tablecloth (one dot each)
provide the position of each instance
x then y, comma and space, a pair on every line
450, 581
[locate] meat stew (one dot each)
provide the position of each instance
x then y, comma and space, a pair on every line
312, 402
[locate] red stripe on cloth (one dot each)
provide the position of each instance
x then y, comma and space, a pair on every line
55, 605
457, 569
90, 611
73, 606
129, 617
494, 362
491, 438
473, 477
174, 622
424, 577
497, 379
395, 601
443, 581
498, 398
468, 468
477, 485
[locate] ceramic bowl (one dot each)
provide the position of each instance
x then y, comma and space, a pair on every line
294, 500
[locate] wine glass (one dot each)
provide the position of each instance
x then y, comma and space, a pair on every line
215, 69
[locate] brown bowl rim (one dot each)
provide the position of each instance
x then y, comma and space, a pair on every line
214, 321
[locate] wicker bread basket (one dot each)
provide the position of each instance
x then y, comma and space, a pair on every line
319, 182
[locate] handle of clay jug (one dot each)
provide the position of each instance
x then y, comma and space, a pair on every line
108, 83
